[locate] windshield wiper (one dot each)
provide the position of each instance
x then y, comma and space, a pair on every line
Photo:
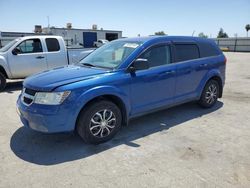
91, 65
88, 64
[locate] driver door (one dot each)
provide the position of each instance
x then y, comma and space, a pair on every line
154, 87
27, 58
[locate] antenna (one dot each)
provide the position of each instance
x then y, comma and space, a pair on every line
193, 33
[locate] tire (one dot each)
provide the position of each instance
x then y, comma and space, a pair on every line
2, 81
209, 94
99, 122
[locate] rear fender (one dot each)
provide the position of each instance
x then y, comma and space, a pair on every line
208, 76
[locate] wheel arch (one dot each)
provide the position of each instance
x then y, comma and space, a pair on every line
215, 77
2, 70
112, 98
97, 94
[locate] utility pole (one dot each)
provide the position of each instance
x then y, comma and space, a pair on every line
48, 21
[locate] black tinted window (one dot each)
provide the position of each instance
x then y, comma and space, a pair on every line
186, 52
207, 49
157, 56
52, 44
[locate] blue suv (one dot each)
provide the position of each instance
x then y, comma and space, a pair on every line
121, 80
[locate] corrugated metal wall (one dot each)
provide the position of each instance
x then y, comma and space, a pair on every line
234, 44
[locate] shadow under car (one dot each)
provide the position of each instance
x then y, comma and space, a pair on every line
51, 149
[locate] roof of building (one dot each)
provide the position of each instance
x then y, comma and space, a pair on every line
62, 28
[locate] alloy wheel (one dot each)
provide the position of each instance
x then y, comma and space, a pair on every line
102, 123
211, 94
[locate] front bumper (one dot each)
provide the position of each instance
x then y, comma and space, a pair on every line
47, 119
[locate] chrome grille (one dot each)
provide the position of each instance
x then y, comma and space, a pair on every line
28, 96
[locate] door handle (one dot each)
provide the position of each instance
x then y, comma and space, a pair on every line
203, 65
39, 57
170, 72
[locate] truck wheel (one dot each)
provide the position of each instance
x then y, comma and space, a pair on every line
2, 81
99, 122
209, 94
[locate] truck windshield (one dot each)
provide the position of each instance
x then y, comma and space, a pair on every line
8, 46
110, 55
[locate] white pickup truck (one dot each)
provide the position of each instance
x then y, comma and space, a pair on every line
100, 42
25, 56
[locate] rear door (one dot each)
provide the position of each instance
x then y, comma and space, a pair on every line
153, 87
30, 58
190, 70
56, 53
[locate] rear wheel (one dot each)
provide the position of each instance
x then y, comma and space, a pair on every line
99, 122
209, 94
2, 81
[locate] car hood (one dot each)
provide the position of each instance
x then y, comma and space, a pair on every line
49, 80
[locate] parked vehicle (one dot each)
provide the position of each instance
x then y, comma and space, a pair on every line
122, 80
25, 56
100, 42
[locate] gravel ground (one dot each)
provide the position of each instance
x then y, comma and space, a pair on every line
184, 146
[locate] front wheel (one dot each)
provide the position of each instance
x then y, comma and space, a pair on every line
2, 81
209, 94
99, 122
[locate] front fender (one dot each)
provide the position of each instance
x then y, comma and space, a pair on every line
4, 65
98, 91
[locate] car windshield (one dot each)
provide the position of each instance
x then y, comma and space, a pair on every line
110, 55
8, 46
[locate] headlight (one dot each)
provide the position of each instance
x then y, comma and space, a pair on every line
51, 98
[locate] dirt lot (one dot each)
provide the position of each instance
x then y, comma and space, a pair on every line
185, 146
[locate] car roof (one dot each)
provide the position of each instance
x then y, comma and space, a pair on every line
167, 38
40, 36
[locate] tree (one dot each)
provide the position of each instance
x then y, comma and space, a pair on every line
202, 35
160, 33
247, 28
222, 34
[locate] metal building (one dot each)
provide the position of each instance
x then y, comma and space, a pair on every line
84, 37
72, 36
6, 37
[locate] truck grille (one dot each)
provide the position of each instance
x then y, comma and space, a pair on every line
28, 96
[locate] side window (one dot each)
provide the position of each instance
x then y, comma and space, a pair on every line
52, 44
186, 52
30, 46
157, 56
208, 49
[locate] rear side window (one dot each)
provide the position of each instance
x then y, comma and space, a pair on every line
52, 44
186, 52
157, 56
208, 50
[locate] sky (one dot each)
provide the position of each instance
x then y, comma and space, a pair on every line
133, 17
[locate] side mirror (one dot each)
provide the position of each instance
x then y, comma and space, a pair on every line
15, 51
139, 64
